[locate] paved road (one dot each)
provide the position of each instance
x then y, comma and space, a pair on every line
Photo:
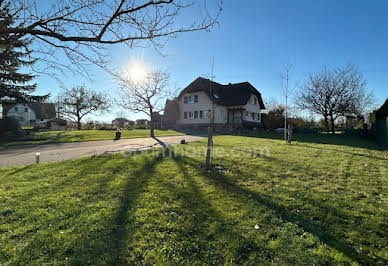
25, 155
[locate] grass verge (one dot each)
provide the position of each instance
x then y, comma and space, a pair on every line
311, 203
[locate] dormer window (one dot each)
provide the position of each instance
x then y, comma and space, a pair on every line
191, 99
253, 99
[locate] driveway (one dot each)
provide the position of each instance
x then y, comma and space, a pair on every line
25, 155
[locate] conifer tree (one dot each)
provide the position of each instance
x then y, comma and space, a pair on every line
15, 86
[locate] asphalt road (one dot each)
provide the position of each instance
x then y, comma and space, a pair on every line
25, 155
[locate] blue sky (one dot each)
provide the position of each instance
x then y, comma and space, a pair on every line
256, 38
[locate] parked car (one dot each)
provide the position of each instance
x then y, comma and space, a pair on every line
281, 130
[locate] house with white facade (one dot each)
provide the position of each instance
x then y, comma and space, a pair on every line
30, 114
235, 105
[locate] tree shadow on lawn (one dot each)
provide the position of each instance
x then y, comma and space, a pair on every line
325, 232
342, 151
110, 246
320, 138
95, 237
208, 226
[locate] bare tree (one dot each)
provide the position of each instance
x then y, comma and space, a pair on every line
146, 96
211, 125
81, 30
334, 93
77, 102
285, 86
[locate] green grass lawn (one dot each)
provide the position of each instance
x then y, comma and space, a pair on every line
313, 203
82, 135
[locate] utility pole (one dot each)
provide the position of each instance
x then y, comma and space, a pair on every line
211, 124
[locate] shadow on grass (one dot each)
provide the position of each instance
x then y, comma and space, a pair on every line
223, 228
320, 138
342, 151
110, 246
325, 232
18, 170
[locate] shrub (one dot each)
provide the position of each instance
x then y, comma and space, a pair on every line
10, 124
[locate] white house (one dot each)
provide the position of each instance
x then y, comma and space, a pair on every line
237, 104
31, 114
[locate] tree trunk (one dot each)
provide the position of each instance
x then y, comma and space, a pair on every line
152, 126
78, 120
327, 125
332, 125
209, 145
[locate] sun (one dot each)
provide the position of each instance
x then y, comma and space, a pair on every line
137, 72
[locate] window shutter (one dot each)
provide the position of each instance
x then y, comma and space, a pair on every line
200, 114
195, 114
185, 99
185, 115
196, 98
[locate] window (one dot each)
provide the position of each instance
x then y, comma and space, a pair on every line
16, 109
195, 114
205, 114
196, 98
185, 99
190, 115
26, 110
253, 116
200, 114
192, 99
185, 115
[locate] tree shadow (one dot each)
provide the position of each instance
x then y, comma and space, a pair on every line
195, 204
325, 231
18, 170
320, 138
161, 143
110, 246
342, 151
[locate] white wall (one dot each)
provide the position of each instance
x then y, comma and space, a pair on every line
204, 104
20, 114
252, 108
221, 112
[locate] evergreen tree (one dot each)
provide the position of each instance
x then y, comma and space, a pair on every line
15, 87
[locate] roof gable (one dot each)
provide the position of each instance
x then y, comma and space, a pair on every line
229, 95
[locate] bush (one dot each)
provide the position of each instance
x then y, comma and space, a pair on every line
10, 124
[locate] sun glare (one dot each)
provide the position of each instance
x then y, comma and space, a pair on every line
137, 72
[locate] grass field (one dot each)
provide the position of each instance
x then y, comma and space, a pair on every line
311, 203
82, 135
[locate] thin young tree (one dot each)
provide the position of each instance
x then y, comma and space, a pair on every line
285, 86
211, 125
78, 32
145, 95
78, 102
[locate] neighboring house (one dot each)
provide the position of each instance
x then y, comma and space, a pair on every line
52, 124
31, 113
122, 122
142, 123
235, 105
381, 124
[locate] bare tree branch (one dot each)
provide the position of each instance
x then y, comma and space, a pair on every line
81, 29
